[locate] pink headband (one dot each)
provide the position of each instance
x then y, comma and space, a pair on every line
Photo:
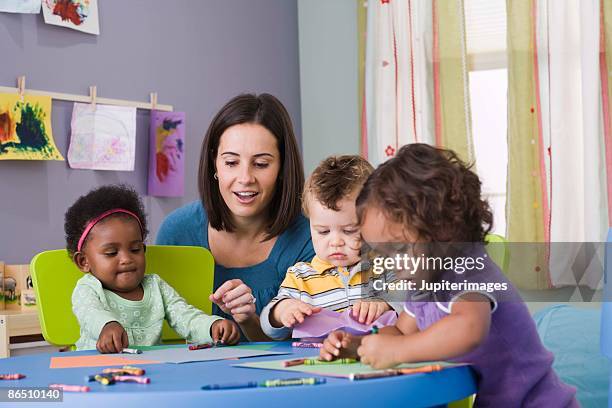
105, 214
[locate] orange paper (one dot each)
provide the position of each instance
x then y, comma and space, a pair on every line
97, 360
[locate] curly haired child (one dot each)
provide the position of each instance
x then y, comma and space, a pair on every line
426, 197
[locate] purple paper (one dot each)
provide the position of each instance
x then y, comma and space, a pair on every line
326, 321
167, 154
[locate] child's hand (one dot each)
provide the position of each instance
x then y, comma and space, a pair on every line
339, 344
368, 312
113, 338
289, 312
378, 350
225, 331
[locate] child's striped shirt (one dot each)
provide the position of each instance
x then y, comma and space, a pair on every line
320, 283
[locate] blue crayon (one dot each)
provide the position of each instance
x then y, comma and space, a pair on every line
230, 386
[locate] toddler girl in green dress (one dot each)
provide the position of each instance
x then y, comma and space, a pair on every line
116, 304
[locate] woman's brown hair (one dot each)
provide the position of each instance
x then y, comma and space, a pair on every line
269, 112
431, 192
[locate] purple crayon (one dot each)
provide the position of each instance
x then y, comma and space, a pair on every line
302, 344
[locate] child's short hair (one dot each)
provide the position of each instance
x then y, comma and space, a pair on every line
96, 202
334, 179
431, 192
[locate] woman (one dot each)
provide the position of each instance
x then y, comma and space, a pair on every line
248, 216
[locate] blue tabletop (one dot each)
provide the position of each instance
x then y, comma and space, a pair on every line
179, 385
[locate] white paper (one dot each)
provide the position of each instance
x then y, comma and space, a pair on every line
20, 6
184, 355
81, 15
102, 139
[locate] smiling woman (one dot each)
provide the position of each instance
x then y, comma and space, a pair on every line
248, 216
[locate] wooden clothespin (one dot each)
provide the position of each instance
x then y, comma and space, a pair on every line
21, 86
153, 100
93, 90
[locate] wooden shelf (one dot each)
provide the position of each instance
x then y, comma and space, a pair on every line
16, 323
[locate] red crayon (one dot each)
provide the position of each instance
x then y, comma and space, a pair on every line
70, 388
201, 346
11, 376
291, 363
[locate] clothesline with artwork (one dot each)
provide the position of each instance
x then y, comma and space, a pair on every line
81, 15
103, 137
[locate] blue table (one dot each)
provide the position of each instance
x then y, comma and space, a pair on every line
178, 385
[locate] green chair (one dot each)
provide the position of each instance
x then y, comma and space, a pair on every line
190, 270
497, 248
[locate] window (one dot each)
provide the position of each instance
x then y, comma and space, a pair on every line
487, 60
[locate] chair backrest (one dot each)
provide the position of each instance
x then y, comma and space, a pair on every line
497, 248
190, 270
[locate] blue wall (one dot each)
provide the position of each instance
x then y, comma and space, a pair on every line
196, 54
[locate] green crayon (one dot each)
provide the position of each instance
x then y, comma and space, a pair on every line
316, 361
293, 381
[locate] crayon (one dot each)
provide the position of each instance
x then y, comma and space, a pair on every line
291, 363
230, 386
376, 374
132, 378
424, 369
11, 376
316, 361
201, 346
301, 344
293, 381
131, 351
125, 370
104, 379
70, 388
395, 372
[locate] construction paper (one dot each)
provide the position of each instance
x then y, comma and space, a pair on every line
333, 370
322, 323
166, 154
97, 360
180, 355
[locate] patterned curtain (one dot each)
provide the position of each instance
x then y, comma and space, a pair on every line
415, 85
557, 139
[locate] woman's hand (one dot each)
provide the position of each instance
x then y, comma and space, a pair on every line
225, 331
339, 344
113, 338
236, 298
368, 312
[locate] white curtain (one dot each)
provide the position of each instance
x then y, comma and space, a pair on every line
398, 77
567, 39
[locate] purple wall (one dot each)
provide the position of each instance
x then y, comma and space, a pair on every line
196, 54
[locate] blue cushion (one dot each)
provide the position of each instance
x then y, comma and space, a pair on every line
572, 335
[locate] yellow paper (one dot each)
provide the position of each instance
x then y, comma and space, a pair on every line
25, 128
